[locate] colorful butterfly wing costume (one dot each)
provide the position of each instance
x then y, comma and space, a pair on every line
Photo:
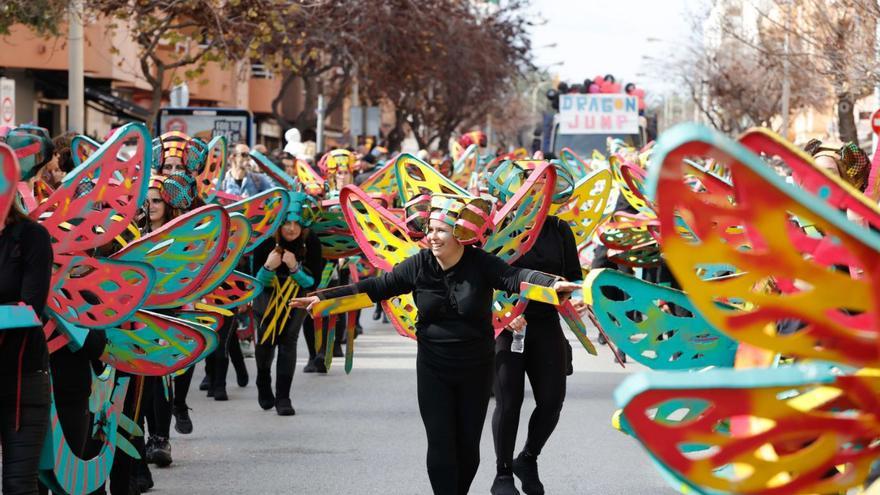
791, 255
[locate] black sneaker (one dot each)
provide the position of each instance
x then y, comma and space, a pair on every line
142, 478
310, 366
211, 392
241, 377
320, 367
150, 450
206, 384
162, 452
220, 394
601, 339
284, 408
265, 397
504, 485
337, 351
182, 422
525, 467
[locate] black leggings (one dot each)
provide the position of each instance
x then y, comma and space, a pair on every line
156, 407
181, 386
286, 344
453, 404
545, 361
217, 364
22, 446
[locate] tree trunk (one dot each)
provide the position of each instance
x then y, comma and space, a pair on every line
278, 101
306, 118
395, 135
846, 121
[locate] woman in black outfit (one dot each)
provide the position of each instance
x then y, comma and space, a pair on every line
293, 256
452, 285
25, 274
546, 358
546, 355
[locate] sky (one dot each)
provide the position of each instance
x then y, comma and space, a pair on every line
594, 37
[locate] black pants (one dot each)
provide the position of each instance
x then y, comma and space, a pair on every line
544, 360
181, 387
156, 407
309, 334
228, 349
22, 446
453, 404
286, 344
124, 466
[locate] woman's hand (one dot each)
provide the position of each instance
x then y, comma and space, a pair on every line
517, 324
273, 261
564, 289
580, 306
304, 302
289, 259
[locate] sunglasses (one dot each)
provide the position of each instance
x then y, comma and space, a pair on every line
242, 154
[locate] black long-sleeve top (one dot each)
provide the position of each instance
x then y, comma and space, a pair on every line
454, 325
25, 276
554, 252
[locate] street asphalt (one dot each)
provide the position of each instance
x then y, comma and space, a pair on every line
362, 434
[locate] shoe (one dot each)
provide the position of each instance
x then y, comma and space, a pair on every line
623, 358
162, 452
310, 366
150, 450
525, 467
337, 351
284, 408
211, 392
242, 377
377, 313
602, 340
265, 397
384, 318
142, 478
182, 422
358, 330
220, 394
504, 485
206, 384
319, 364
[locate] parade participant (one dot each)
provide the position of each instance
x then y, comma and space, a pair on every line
25, 274
453, 284
167, 197
338, 167
292, 258
846, 161
240, 180
545, 357
72, 370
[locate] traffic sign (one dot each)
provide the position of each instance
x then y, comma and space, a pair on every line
875, 122
7, 101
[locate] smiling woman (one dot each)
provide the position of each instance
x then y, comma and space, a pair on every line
453, 283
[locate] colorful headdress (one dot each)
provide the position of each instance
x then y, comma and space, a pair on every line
510, 175
468, 216
175, 144
335, 159
33, 148
474, 137
852, 162
178, 190
296, 208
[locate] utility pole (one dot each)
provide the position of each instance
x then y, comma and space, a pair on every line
75, 78
786, 83
320, 112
